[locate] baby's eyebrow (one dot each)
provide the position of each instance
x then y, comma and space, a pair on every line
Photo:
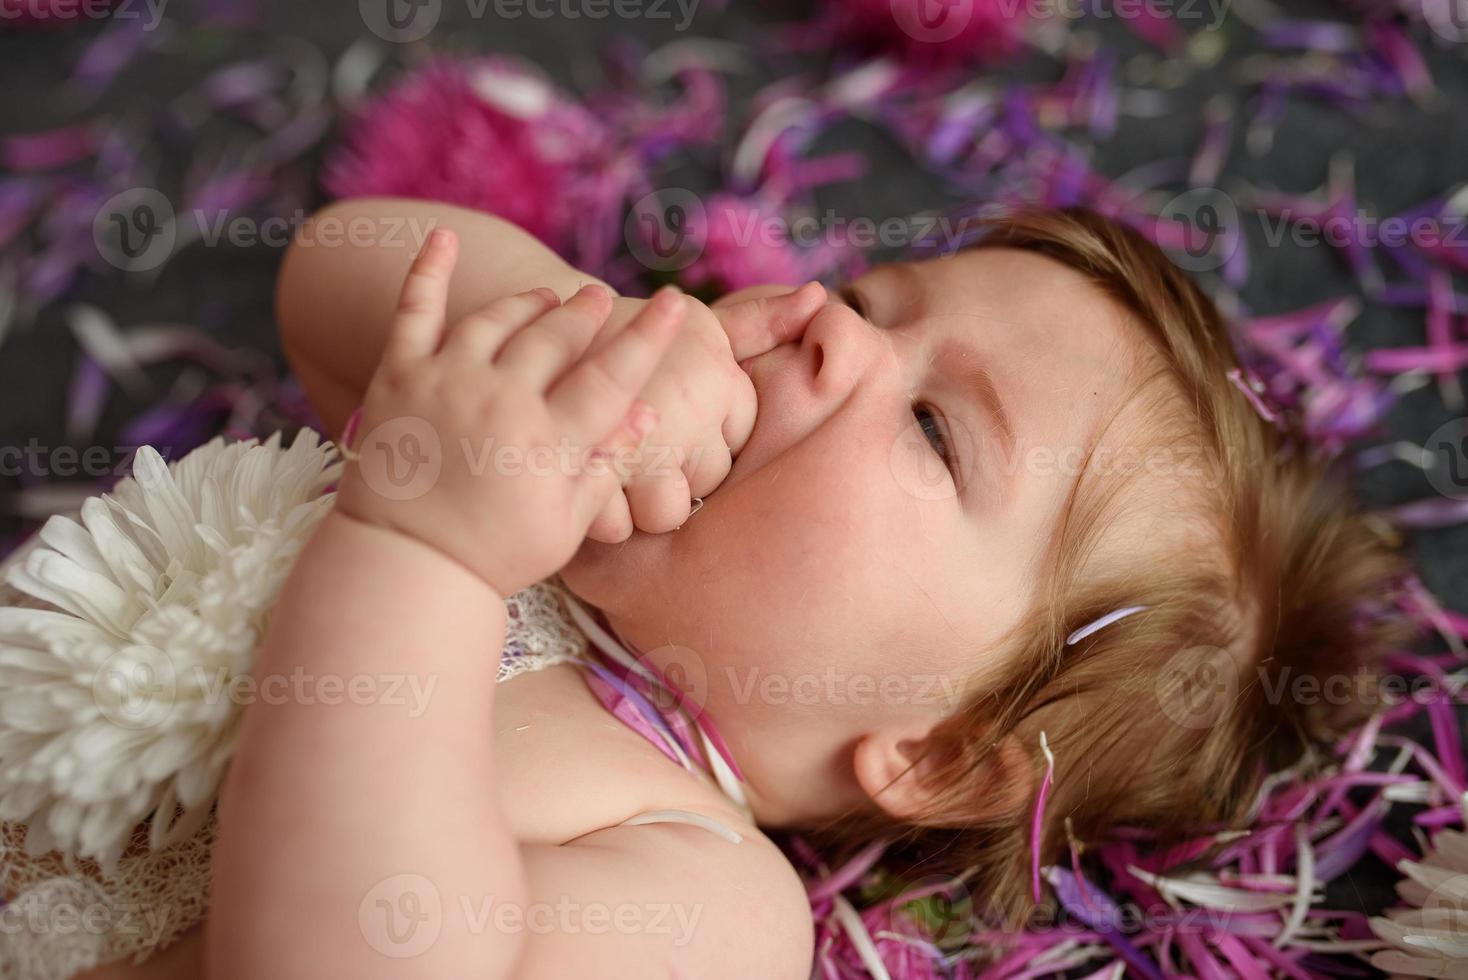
964, 359
973, 377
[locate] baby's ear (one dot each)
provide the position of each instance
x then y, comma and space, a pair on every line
902, 768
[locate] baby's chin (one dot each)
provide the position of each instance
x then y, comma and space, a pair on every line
601, 573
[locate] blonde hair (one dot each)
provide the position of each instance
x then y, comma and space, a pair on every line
1279, 590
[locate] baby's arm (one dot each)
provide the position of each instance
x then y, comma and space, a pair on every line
361, 798
363, 837
339, 284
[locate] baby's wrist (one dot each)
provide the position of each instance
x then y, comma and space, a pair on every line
402, 546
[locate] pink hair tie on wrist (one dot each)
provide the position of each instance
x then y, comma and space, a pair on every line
349, 433
1101, 623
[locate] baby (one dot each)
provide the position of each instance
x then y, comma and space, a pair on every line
962, 520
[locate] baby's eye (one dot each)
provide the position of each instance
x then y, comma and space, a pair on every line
848, 295
935, 431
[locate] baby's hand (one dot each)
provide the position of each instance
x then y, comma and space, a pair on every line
495, 441
706, 407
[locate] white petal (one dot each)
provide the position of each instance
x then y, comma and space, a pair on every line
62, 582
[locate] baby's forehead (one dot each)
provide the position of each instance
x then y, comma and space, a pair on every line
1015, 296
1032, 317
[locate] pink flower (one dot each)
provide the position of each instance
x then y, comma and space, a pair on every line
488, 134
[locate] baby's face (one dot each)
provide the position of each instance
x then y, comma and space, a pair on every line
884, 525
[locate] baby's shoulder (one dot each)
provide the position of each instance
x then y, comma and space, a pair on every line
699, 904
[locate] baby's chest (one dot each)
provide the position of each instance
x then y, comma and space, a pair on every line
565, 766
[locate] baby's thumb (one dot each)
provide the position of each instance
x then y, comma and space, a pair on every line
756, 325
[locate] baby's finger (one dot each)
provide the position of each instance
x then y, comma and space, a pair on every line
706, 468
594, 396
659, 501
476, 337
743, 410
608, 466
756, 325
540, 356
614, 524
418, 323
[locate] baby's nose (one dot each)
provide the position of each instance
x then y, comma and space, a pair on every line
839, 345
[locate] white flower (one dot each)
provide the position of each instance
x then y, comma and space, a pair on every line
115, 706
1431, 934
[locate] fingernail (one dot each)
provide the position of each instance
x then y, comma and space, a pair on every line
668, 296
440, 237
547, 294
818, 291
595, 290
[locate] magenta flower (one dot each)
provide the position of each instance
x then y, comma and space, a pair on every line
488, 134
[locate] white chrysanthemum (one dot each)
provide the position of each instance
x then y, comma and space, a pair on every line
1431, 935
115, 706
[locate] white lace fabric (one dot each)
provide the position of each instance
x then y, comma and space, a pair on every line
539, 631
63, 915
